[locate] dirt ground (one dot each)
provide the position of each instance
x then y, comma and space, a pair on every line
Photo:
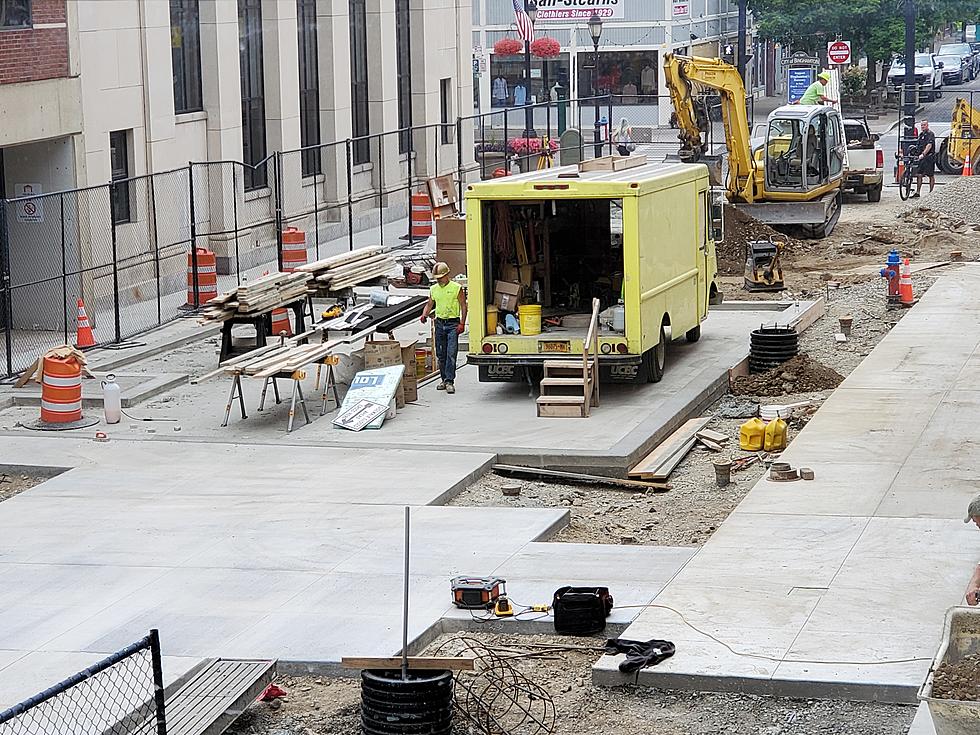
14, 483
317, 705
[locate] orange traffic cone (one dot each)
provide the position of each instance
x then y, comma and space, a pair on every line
899, 171
967, 165
905, 284
84, 336
280, 323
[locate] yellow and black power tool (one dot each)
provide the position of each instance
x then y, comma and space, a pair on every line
763, 268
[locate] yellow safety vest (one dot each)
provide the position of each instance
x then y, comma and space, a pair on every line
446, 299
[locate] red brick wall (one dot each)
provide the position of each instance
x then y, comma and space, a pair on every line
32, 54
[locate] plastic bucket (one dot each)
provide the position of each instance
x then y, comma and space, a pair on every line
492, 319
530, 316
421, 363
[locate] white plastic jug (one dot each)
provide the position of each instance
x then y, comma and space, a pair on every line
619, 317
111, 399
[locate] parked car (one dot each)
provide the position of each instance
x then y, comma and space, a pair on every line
865, 172
958, 63
928, 76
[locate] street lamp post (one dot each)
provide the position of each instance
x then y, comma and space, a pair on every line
531, 8
908, 101
595, 30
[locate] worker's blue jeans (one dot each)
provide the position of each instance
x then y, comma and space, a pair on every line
447, 345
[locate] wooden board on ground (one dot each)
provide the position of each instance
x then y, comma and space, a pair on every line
659, 463
556, 475
443, 663
716, 436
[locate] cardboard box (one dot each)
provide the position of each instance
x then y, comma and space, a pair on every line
442, 194
385, 353
410, 387
451, 243
507, 295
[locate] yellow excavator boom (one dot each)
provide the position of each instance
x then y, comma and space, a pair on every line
684, 76
964, 132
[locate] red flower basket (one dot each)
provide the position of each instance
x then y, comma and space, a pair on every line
508, 47
545, 47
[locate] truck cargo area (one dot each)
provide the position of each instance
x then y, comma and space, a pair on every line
557, 253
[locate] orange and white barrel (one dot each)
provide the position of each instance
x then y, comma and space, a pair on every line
293, 249
207, 276
280, 323
61, 390
421, 216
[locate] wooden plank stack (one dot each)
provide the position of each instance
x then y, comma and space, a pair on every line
349, 269
258, 296
659, 463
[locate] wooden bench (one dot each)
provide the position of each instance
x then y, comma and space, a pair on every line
214, 695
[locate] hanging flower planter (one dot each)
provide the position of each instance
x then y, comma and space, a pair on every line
507, 47
545, 47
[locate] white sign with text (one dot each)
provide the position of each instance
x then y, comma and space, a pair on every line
29, 210
580, 10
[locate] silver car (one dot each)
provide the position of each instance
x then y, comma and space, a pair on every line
958, 62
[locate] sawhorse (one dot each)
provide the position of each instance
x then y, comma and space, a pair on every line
297, 376
329, 383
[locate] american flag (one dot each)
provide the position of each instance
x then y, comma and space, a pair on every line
525, 28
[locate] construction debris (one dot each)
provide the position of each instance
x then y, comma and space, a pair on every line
349, 269
256, 297
659, 463
797, 375
559, 476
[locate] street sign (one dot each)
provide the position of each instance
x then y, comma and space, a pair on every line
797, 80
839, 52
681, 9
29, 210
800, 58
567, 10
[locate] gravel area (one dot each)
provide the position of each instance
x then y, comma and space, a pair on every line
959, 199
960, 681
14, 483
314, 706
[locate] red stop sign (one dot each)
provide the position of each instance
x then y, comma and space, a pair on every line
839, 52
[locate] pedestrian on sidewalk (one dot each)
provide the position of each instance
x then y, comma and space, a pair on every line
926, 143
973, 588
623, 138
446, 297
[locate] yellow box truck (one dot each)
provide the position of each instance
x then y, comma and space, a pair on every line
547, 243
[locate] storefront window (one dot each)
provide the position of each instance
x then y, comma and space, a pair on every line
631, 76
509, 88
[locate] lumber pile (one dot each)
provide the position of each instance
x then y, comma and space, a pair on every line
659, 463
349, 269
256, 297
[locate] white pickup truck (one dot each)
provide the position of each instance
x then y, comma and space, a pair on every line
865, 172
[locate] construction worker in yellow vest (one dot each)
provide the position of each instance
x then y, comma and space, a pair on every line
446, 297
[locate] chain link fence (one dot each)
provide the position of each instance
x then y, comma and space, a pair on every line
121, 695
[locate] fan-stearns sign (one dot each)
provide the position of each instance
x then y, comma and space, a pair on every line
579, 9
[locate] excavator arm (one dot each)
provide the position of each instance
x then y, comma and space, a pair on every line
685, 75
964, 132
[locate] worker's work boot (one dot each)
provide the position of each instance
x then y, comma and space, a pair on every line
441, 386
450, 388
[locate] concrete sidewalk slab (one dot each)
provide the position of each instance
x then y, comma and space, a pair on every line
837, 588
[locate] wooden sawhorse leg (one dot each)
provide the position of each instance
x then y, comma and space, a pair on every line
329, 383
236, 383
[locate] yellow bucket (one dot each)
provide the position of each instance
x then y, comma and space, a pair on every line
530, 317
421, 360
491, 319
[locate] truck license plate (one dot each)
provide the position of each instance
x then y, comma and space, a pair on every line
555, 346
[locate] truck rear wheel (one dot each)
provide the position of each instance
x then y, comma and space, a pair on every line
693, 335
655, 359
946, 164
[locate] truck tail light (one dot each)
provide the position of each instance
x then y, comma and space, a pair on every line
622, 348
605, 348
487, 348
879, 159
502, 348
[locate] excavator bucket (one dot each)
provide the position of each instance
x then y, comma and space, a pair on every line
714, 164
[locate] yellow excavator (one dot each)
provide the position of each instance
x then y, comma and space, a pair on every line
963, 140
792, 179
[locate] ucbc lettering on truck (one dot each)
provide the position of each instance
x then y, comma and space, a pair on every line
580, 9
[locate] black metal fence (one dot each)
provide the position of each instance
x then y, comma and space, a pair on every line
122, 695
137, 251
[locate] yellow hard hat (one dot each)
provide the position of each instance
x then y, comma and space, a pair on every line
440, 270
825, 75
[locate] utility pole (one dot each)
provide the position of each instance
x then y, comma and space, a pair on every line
531, 8
742, 31
908, 103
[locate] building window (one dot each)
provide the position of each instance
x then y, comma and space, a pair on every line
309, 86
359, 81
15, 13
253, 93
446, 109
119, 160
508, 88
185, 45
629, 76
403, 38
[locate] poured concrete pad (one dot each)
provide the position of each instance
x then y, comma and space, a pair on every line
233, 551
838, 587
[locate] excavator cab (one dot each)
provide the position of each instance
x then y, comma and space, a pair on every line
803, 150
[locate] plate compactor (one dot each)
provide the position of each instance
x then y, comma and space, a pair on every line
763, 269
